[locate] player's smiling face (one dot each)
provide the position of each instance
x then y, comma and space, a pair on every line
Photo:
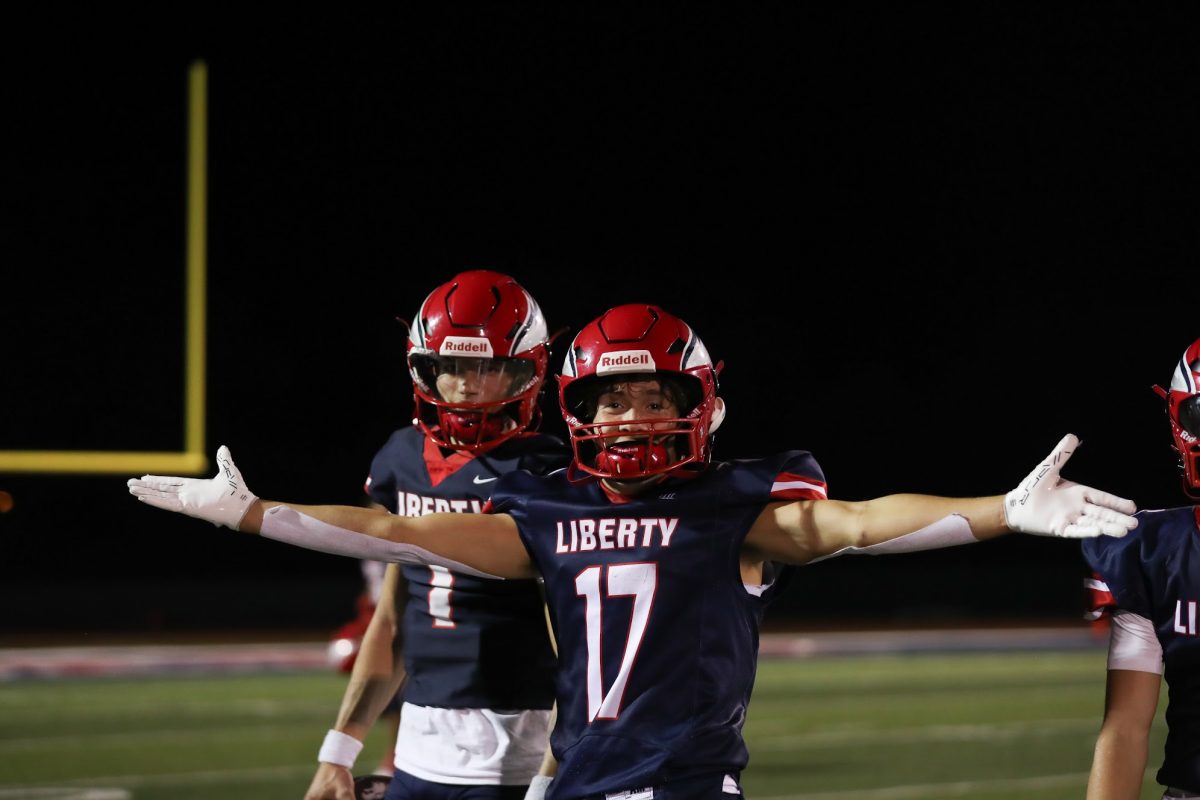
631, 408
636, 405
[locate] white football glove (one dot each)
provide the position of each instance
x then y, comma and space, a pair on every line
538, 787
222, 500
1047, 505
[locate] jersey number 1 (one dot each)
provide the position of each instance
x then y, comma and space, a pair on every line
441, 584
624, 580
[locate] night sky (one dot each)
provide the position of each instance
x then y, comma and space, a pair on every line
925, 246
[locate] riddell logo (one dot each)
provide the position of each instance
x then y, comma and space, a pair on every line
625, 361
466, 346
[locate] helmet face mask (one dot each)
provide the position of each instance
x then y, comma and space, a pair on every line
477, 354
648, 359
651, 445
1188, 412
1183, 410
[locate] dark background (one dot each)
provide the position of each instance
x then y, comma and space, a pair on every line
926, 246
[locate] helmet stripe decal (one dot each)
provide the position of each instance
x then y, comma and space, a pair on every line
569, 367
529, 317
420, 329
688, 348
1189, 377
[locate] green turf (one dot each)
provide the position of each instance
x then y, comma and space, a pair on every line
987, 727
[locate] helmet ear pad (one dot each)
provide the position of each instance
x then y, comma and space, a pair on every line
718, 415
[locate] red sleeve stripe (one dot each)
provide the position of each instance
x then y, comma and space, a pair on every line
487, 507
797, 489
1099, 598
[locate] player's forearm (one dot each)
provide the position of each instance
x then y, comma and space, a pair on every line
1119, 764
887, 518
352, 518
377, 675
365, 699
483, 545
365, 534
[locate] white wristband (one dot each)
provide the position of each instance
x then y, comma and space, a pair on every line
340, 748
537, 787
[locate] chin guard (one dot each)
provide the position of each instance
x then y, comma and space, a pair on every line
472, 427
633, 459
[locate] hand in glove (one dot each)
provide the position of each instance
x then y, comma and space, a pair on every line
1047, 505
222, 500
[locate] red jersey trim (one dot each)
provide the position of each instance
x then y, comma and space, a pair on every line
440, 466
789, 486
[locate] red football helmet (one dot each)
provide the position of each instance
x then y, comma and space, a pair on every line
477, 352
635, 342
1183, 409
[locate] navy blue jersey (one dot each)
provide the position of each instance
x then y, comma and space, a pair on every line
1155, 572
657, 635
468, 642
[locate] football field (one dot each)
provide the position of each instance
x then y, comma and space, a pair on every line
982, 725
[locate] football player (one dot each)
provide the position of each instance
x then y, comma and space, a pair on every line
473, 655
656, 558
1150, 583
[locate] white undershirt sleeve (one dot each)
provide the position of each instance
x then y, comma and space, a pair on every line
286, 524
948, 531
1133, 644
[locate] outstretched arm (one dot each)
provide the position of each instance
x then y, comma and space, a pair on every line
804, 531
1043, 504
486, 544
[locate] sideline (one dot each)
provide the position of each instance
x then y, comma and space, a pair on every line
113, 661
64, 793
